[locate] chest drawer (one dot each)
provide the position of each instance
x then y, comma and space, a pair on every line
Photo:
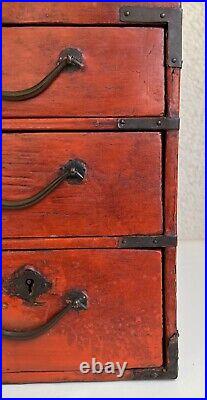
120, 193
123, 319
122, 72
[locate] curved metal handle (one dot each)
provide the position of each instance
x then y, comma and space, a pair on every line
74, 171
68, 57
76, 300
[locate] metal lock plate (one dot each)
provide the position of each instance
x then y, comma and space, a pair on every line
27, 283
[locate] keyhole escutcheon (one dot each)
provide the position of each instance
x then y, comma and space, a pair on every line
30, 284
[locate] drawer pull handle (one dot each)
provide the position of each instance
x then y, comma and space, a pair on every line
68, 57
76, 300
73, 171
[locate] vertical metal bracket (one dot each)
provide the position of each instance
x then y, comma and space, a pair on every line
169, 371
169, 18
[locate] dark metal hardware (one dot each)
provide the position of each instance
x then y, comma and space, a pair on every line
68, 58
168, 371
134, 242
166, 17
27, 283
77, 170
75, 300
149, 124
74, 172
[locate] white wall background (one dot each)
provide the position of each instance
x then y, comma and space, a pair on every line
191, 151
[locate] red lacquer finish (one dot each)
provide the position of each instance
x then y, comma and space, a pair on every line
114, 82
70, 12
173, 91
120, 195
171, 177
61, 243
60, 124
74, 236
121, 321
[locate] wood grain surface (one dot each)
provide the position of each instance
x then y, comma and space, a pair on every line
170, 291
71, 237
60, 124
104, 242
173, 91
171, 182
123, 74
70, 12
120, 195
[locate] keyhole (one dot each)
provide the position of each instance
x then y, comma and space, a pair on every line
30, 284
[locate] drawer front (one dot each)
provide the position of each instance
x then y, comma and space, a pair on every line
122, 322
120, 193
122, 75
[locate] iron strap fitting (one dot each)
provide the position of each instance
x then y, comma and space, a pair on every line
149, 124
136, 242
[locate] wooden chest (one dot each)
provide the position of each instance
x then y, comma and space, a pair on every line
90, 140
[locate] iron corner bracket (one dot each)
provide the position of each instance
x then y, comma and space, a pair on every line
169, 371
169, 18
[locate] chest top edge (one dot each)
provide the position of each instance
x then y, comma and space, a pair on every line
75, 13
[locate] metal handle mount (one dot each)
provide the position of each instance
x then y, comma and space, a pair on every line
75, 300
74, 171
68, 58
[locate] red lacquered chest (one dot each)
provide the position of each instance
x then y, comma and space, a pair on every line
90, 141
